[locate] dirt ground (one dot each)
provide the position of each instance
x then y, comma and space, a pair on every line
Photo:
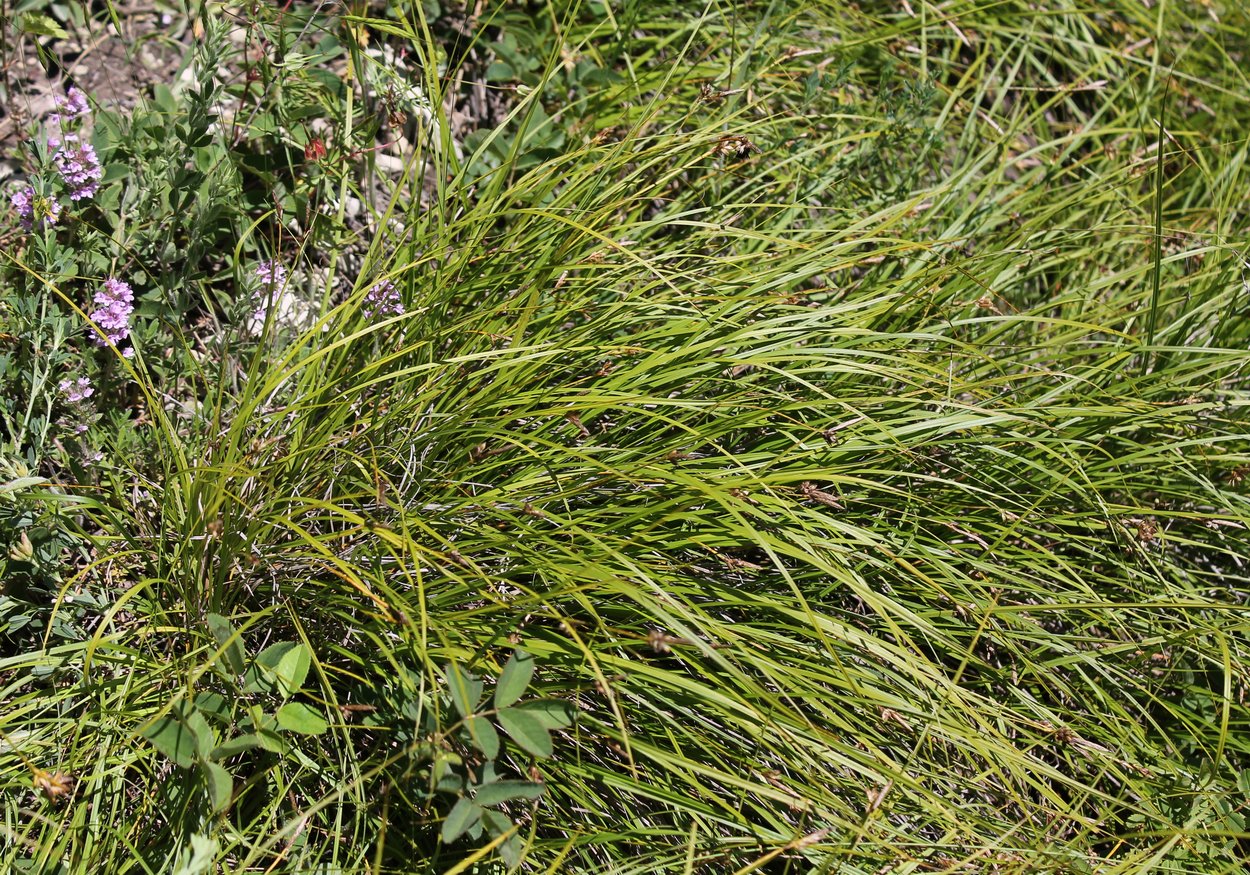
113, 69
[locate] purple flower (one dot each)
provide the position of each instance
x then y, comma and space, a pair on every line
79, 167
32, 208
114, 304
272, 274
74, 103
72, 106
382, 300
272, 283
76, 390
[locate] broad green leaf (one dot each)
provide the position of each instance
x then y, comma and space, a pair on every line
452, 782
201, 732
484, 735
237, 745
262, 675
502, 791
526, 730
298, 717
466, 690
197, 859
462, 816
514, 678
39, 24
228, 641
292, 670
214, 705
271, 741
220, 785
256, 679
498, 824
551, 713
272, 655
171, 736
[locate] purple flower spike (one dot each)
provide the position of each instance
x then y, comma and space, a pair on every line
79, 167
382, 300
74, 104
76, 390
272, 274
114, 304
70, 107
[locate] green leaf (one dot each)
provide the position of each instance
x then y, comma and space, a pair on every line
514, 678
272, 655
462, 816
228, 640
256, 679
235, 746
498, 824
197, 859
526, 730
292, 670
445, 762
451, 782
271, 741
220, 785
466, 690
261, 676
172, 737
551, 713
298, 717
502, 791
38, 24
214, 705
201, 732
21, 483
484, 735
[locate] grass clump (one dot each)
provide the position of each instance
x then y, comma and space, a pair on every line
804, 437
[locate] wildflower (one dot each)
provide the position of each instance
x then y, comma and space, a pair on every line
79, 167
70, 107
382, 300
76, 390
114, 304
74, 104
288, 309
272, 285
33, 207
272, 274
315, 150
